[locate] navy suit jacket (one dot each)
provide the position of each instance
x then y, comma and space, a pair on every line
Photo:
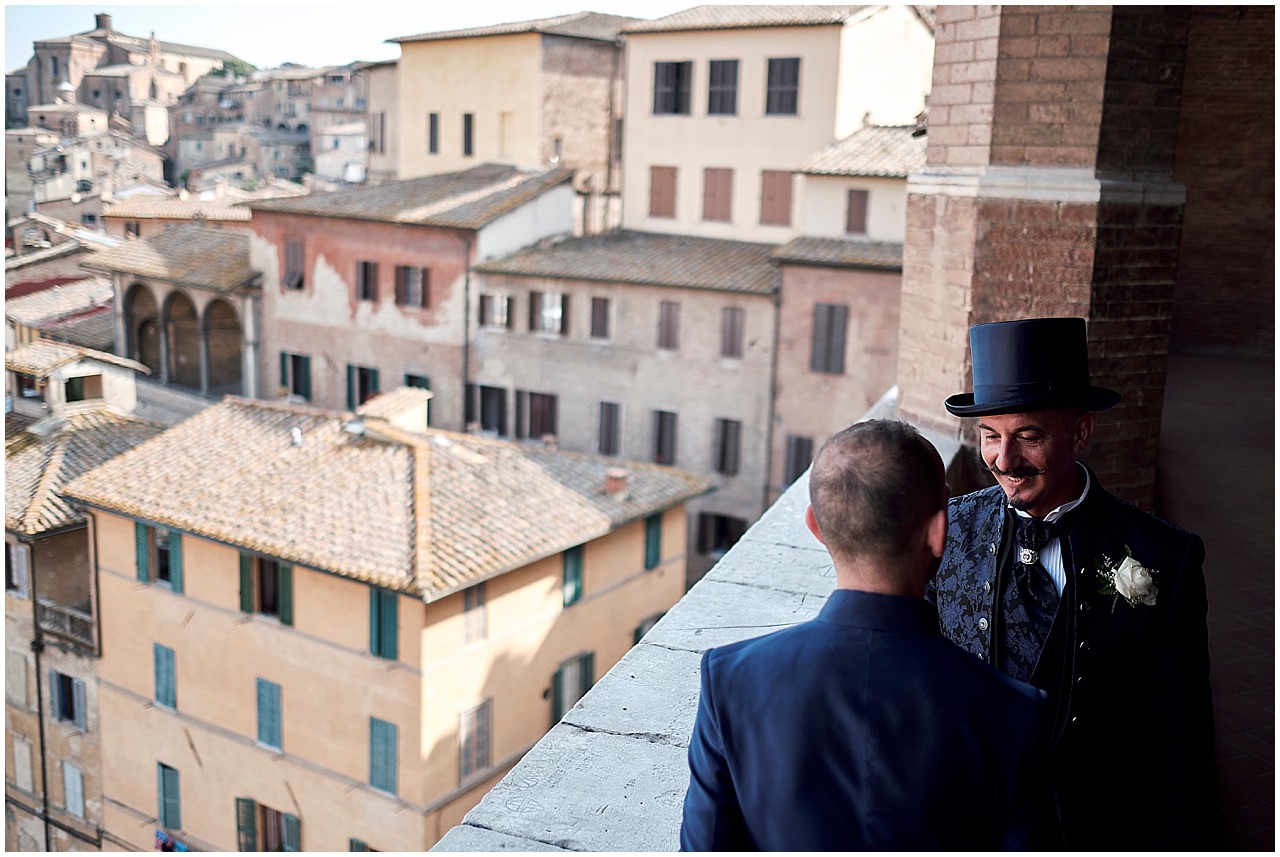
861, 729
1132, 735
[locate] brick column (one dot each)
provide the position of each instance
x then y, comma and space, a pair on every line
1048, 192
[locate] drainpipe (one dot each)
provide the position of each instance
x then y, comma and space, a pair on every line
37, 646
466, 324
773, 392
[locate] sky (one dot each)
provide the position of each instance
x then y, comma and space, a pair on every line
272, 33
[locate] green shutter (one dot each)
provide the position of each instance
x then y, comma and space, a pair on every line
354, 844
246, 824
572, 585
588, 671
170, 802
269, 713
652, 541
166, 681
382, 755
351, 387
284, 582
373, 382
143, 544
284, 369
557, 696
304, 377
383, 625
375, 621
175, 561
246, 583
292, 833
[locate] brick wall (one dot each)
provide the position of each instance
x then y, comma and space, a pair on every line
1225, 298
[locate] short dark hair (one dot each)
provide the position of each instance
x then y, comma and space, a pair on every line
873, 486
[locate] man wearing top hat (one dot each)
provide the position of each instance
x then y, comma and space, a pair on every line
1059, 583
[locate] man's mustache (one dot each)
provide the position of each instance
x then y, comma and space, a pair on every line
1015, 472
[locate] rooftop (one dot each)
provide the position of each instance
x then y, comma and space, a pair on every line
43, 357
58, 301
452, 509
842, 253
888, 151
583, 25
146, 207
463, 200
718, 17
648, 258
38, 467
201, 256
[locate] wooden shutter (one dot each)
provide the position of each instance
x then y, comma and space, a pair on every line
425, 298
564, 315
382, 755
246, 584
354, 844
142, 543
55, 694
351, 388
535, 312
486, 310
269, 713
170, 801
856, 220
81, 705
175, 561
284, 595
383, 630
652, 541
246, 824
73, 789
600, 318
587, 673
304, 380
284, 370
166, 690
557, 695
839, 321
292, 833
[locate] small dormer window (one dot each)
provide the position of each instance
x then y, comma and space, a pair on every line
84, 388
30, 387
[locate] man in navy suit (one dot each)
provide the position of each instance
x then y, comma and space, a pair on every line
864, 728
1061, 584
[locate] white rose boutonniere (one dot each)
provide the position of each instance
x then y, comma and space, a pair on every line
1127, 579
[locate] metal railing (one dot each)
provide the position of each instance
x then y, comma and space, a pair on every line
66, 622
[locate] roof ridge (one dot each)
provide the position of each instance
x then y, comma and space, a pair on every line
45, 487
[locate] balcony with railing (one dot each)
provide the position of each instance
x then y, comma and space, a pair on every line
74, 626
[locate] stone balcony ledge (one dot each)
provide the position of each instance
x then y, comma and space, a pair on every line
612, 775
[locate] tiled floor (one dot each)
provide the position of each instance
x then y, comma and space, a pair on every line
1217, 478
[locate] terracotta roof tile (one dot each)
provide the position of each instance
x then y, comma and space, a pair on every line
188, 254
463, 200
648, 258
842, 253
37, 468
585, 25
358, 504
59, 301
43, 356
879, 150
145, 207
718, 17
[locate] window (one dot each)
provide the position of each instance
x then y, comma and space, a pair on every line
731, 324
645, 627
293, 263
722, 88
468, 134
169, 801
652, 541
384, 630
159, 555
548, 313
378, 133
536, 415
132, 228
166, 677
475, 614
261, 828
664, 437
570, 683
668, 326
269, 714
15, 679
610, 428
856, 219
30, 387
413, 286
475, 740
22, 772
73, 789
83, 388
775, 198
571, 578
433, 133
718, 533
53, 67
362, 385
829, 323
295, 374
87, 219
717, 194
495, 311
599, 318
420, 382
783, 89
728, 444
266, 587
491, 402
799, 457
662, 191
17, 561
671, 83
366, 281
382, 755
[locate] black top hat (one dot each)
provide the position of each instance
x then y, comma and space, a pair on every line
1034, 364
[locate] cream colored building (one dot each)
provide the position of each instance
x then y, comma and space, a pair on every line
532, 94
724, 104
350, 625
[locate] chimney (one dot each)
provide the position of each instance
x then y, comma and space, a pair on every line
102, 21
615, 483
295, 436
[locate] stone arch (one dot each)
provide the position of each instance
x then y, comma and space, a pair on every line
142, 327
223, 338
183, 341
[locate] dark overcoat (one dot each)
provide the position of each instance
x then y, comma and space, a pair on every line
1132, 717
